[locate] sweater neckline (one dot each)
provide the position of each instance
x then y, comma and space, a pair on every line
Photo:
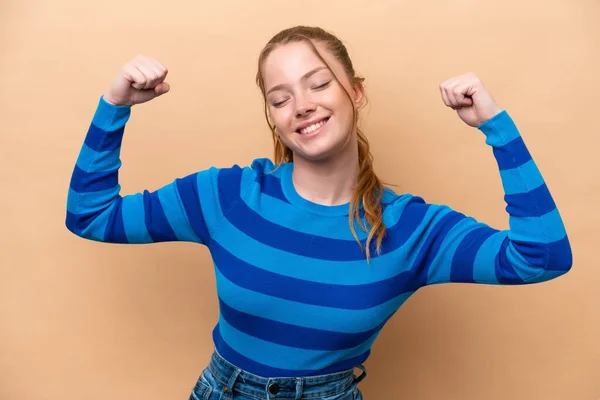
287, 185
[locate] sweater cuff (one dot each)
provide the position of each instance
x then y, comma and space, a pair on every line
499, 130
110, 117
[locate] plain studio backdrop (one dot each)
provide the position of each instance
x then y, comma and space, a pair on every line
80, 319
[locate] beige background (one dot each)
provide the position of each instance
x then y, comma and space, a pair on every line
95, 321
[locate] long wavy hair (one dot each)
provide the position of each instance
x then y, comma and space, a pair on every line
369, 189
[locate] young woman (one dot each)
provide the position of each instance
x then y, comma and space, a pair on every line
312, 255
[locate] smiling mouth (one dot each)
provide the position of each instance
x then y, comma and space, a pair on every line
313, 127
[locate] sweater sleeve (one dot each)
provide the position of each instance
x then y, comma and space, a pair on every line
186, 209
535, 248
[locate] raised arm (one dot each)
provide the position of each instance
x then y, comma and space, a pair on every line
183, 210
535, 248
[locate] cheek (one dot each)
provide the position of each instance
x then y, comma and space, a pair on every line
338, 100
283, 119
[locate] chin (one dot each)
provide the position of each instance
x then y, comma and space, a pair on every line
318, 157
318, 154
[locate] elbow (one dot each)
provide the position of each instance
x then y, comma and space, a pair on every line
74, 224
75, 221
86, 218
559, 261
539, 262
560, 257
92, 223
83, 225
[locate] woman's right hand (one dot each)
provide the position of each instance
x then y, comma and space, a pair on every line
139, 81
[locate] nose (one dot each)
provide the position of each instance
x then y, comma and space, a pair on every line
304, 106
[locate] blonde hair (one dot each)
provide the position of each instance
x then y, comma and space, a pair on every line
369, 189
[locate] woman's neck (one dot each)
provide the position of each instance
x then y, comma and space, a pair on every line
328, 182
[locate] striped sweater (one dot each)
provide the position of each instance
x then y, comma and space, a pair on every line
296, 294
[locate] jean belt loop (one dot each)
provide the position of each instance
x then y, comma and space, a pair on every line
363, 375
229, 388
299, 388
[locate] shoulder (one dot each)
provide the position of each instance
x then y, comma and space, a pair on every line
263, 166
228, 184
411, 206
412, 213
395, 200
243, 176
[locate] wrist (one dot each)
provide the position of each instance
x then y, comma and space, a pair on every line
111, 101
489, 114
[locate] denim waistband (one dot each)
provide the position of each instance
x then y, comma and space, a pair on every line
235, 379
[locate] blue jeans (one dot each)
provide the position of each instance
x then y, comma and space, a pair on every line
224, 381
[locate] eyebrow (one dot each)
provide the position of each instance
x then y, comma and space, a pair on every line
306, 76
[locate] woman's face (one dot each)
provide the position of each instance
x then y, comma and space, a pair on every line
309, 107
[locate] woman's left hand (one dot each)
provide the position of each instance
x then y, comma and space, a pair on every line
471, 100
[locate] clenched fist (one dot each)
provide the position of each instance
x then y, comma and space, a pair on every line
139, 81
471, 100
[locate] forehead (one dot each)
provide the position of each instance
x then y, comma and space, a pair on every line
289, 62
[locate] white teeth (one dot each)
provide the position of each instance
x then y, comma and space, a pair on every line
313, 127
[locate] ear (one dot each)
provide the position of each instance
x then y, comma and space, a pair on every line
359, 93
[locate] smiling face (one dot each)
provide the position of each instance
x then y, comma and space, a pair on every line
310, 109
